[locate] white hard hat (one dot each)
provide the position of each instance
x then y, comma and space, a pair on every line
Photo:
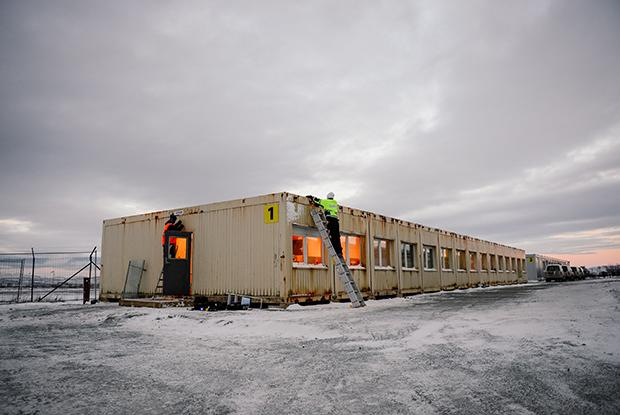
330, 195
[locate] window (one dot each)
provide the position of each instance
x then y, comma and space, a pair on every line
484, 262
461, 260
382, 253
446, 259
472, 261
352, 250
315, 250
514, 265
408, 254
429, 257
307, 246
177, 247
298, 248
493, 262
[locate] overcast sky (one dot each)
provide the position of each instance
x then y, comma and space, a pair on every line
496, 119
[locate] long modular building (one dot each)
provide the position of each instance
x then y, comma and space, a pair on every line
268, 247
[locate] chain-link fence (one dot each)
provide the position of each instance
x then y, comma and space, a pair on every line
49, 276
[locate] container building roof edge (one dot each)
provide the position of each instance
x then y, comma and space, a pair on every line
256, 200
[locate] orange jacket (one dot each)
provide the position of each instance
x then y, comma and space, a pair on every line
173, 240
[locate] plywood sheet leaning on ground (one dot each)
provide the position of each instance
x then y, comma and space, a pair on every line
268, 247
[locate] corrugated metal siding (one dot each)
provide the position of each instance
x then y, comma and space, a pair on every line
235, 251
448, 277
311, 282
135, 238
305, 281
355, 222
474, 276
219, 229
462, 276
384, 281
430, 278
410, 280
112, 251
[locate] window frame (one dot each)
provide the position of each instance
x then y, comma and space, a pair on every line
414, 254
458, 264
475, 255
305, 232
493, 262
345, 250
432, 249
484, 262
449, 256
388, 250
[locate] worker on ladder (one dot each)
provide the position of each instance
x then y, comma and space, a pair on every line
330, 206
171, 225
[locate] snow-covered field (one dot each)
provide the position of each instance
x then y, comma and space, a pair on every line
527, 349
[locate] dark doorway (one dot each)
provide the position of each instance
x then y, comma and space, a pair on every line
177, 263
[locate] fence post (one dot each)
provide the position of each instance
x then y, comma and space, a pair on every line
86, 290
90, 274
95, 274
32, 278
21, 277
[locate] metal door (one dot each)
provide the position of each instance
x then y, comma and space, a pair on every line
177, 263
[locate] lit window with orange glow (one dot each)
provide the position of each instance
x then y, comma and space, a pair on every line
181, 245
298, 248
307, 246
352, 250
315, 250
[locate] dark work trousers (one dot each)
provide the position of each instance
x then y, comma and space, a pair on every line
333, 226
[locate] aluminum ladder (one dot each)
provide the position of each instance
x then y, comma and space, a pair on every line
342, 269
160, 283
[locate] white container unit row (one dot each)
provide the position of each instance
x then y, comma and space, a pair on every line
268, 247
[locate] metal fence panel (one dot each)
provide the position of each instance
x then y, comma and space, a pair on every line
134, 276
25, 277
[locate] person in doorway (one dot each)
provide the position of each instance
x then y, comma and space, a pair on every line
171, 225
330, 206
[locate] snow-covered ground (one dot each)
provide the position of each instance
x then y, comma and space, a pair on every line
527, 349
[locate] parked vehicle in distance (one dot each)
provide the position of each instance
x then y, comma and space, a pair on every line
577, 273
568, 274
554, 272
586, 273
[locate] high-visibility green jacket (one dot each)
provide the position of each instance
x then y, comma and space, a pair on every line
330, 206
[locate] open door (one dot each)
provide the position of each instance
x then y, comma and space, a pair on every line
177, 263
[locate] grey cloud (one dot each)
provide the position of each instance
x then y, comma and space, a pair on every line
114, 108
